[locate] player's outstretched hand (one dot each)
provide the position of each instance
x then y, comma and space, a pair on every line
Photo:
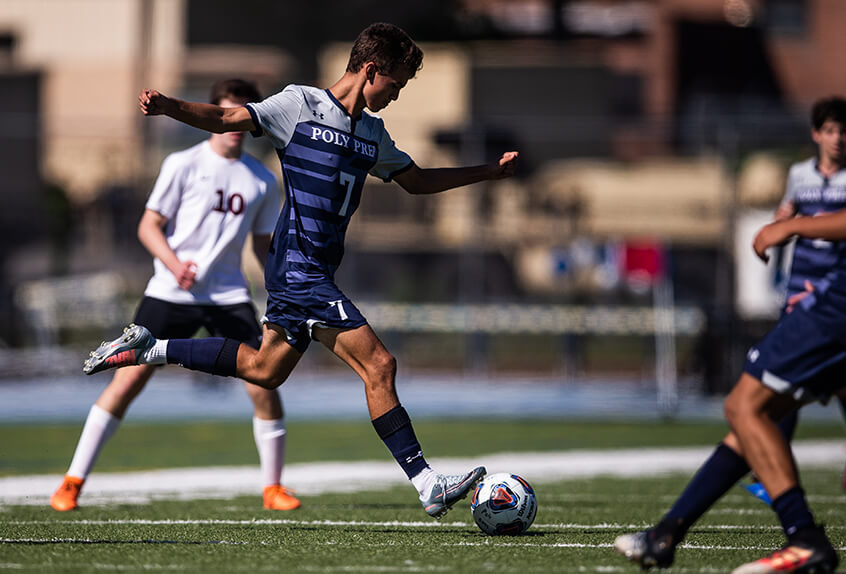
770, 235
152, 103
506, 165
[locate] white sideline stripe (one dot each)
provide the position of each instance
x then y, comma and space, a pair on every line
316, 478
486, 542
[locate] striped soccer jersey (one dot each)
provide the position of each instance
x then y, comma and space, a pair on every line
811, 193
326, 156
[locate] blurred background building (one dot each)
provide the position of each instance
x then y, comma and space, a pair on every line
654, 138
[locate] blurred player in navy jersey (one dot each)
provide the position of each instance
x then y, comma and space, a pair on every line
814, 186
328, 144
206, 201
790, 367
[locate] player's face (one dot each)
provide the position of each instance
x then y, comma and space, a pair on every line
831, 139
384, 89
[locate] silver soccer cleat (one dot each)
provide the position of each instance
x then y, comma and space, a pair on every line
450, 489
123, 351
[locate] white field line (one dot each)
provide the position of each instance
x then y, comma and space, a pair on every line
317, 478
486, 542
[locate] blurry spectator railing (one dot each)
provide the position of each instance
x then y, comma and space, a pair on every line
50, 305
534, 319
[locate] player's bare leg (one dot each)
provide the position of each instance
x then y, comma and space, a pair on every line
270, 365
751, 410
126, 384
102, 422
267, 367
362, 350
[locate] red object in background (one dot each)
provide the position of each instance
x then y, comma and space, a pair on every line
643, 262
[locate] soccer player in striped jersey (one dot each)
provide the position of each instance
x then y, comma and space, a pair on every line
206, 201
814, 186
790, 367
328, 144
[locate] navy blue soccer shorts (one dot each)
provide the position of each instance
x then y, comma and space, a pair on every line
299, 310
804, 355
167, 320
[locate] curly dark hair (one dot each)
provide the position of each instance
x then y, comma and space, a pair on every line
833, 108
234, 88
389, 47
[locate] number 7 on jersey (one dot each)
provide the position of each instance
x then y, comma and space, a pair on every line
347, 180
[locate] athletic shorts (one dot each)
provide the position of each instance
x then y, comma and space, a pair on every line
299, 310
804, 355
179, 321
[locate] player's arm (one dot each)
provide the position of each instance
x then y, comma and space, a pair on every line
207, 117
152, 237
261, 247
831, 226
419, 181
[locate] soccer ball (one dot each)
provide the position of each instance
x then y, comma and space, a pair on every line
504, 503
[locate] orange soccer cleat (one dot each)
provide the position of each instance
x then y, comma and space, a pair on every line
278, 497
809, 552
65, 497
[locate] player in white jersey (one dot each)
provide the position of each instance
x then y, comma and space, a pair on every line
328, 145
206, 201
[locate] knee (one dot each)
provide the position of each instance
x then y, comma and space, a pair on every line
387, 366
128, 383
737, 410
730, 411
266, 403
382, 370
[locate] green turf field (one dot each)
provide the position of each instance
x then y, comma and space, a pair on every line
44, 448
380, 531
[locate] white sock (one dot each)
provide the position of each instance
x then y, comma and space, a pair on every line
155, 355
423, 481
99, 427
270, 441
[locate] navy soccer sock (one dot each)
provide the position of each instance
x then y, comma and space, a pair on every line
793, 511
214, 355
395, 430
719, 473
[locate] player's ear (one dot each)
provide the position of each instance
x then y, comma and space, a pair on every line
370, 71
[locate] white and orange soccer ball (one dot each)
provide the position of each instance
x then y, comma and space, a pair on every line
504, 504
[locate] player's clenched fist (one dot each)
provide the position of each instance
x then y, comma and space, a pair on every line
152, 103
